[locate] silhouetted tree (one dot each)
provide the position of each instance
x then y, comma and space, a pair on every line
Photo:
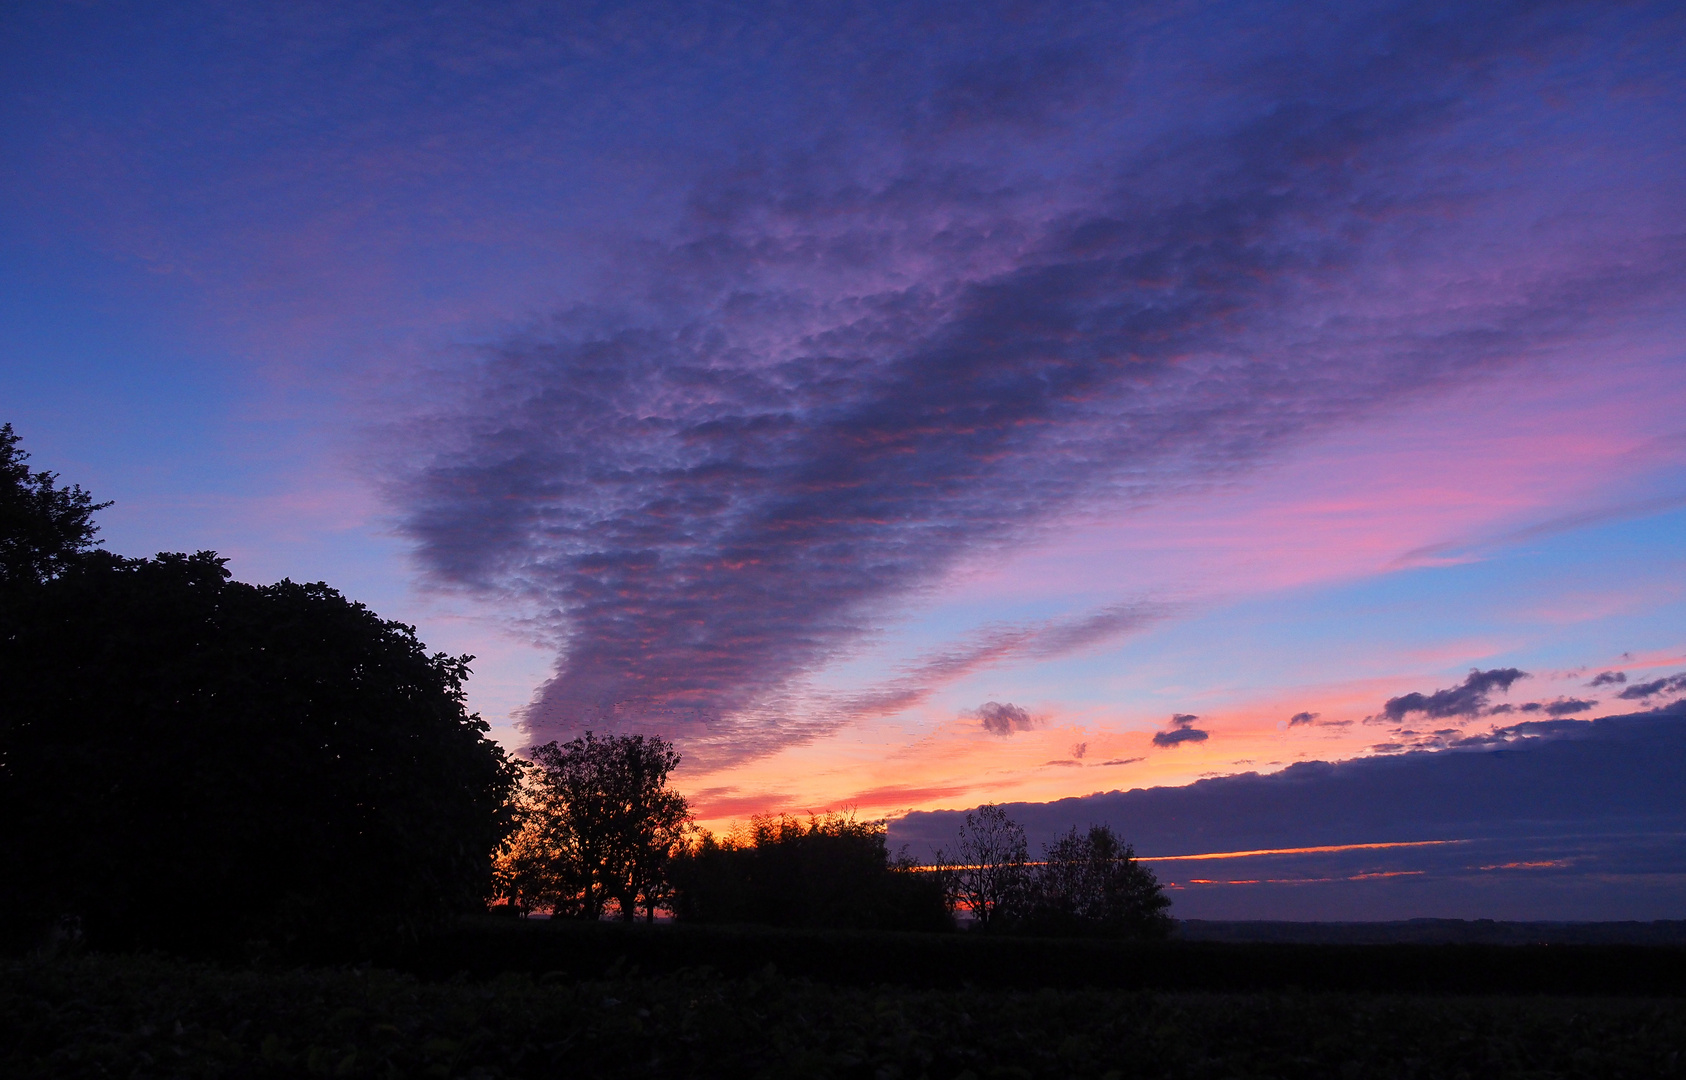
1091, 884
188, 761
44, 528
531, 872
988, 873
601, 825
826, 871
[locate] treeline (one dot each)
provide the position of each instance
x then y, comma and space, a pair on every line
192, 763
598, 829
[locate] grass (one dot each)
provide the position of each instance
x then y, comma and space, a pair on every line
140, 1016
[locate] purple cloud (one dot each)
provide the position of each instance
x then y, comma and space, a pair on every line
1041, 274
1467, 699
1182, 730
1641, 691
1000, 718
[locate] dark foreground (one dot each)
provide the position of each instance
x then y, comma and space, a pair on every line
95, 1016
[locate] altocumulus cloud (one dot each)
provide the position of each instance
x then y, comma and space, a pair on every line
1045, 260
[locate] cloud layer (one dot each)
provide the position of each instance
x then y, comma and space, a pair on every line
978, 288
1590, 809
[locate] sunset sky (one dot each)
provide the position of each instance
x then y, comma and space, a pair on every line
904, 406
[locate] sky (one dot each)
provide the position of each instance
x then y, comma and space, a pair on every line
901, 407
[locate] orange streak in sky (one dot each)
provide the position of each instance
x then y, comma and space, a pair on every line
1296, 850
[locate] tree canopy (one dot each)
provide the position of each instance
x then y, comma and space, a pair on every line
599, 825
1087, 884
44, 528
187, 760
989, 874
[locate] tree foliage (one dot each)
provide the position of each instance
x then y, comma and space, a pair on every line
599, 824
1087, 884
825, 871
188, 761
988, 872
1091, 884
44, 528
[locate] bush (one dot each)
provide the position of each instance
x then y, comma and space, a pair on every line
825, 872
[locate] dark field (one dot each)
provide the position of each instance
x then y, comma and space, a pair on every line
941, 961
98, 1016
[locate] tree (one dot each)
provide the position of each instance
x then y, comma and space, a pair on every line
608, 824
831, 871
988, 873
191, 762
531, 872
1091, 884
44, 528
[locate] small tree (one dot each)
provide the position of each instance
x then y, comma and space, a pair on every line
607, 820
987, 873
1092, 884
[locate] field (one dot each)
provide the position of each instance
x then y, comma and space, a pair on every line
88, 1016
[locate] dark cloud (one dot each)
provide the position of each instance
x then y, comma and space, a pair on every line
1641, 691
1302, 718
1608, 678
1560, 707
1513, 792
1123, 761
1021, 274
1182, 730
1004, 718
1467, 699
1569, 771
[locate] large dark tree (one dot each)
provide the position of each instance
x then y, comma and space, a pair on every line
187, 761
